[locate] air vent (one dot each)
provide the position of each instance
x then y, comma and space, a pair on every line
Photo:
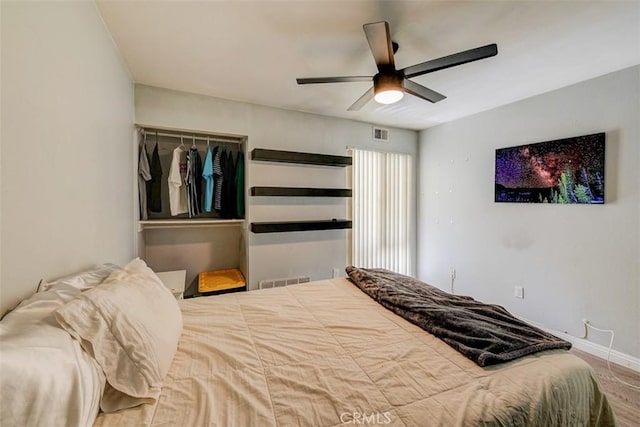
276, 283
380, 134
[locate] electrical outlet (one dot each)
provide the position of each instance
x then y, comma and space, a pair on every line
336, 273
519, 292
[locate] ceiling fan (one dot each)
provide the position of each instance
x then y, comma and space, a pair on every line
389, 84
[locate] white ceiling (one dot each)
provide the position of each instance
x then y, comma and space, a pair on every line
253, 51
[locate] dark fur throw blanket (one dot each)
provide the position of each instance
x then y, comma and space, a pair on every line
487, 334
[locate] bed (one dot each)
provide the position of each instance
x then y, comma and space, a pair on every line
326, 354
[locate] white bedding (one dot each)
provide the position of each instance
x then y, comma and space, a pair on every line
130, 324
325, 354
46, 379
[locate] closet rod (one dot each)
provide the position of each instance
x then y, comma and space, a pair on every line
187, 136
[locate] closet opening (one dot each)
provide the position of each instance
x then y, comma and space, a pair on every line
191, 202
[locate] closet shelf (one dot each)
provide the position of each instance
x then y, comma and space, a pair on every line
190, 134
188, 223
277, 227
297, 157
300, 192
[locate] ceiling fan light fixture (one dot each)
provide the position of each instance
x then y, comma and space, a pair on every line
388, 96
388, 88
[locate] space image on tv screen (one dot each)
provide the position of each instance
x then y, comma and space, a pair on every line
567, 170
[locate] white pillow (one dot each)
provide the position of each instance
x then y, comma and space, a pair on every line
82, 280
47, 379
131, 325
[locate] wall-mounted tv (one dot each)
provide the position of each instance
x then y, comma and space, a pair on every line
567, 170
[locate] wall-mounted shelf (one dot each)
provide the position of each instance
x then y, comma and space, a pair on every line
300, 192
296, 157
188, 223
278, 227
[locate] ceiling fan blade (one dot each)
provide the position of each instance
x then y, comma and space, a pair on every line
361, 102
380, 44
313, 80
451, 60
422, 92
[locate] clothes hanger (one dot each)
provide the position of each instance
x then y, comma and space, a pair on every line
181, 142
207, 142
156, 139
193, 141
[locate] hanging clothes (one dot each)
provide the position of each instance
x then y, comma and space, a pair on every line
218, 168
198, 179
239, 184
144, 175
228, 209
193, 181
154, 189
177, 188
207, 175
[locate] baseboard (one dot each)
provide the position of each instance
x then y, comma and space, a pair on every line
600, 351
594, 349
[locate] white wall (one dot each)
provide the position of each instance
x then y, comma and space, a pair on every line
277, 255
574, 261
67, 126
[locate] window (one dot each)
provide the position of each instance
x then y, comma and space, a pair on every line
382, 200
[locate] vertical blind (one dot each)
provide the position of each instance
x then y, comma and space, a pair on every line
382, 189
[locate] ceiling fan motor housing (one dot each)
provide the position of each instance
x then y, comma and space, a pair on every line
393, 80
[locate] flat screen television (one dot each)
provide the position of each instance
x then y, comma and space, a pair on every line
569, 170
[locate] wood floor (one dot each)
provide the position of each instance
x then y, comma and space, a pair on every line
624, 400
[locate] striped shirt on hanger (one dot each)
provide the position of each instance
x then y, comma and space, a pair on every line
193, 181
218, 179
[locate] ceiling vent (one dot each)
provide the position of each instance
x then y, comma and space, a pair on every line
380, 134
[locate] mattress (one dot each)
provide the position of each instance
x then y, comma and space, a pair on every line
325, 354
